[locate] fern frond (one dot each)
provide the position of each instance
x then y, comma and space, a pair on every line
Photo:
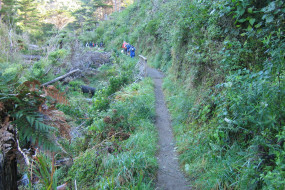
51, 91
44, 170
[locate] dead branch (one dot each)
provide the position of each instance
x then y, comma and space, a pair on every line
32, 57
61, 77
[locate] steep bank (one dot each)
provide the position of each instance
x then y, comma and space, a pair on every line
224, 62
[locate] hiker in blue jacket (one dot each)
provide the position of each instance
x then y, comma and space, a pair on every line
132, 51
128, 48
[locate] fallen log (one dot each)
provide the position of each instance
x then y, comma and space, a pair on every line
33, 47
61, 77
32, 57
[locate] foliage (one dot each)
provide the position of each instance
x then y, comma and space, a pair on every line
224, 62
56, 55
225, 66
24, 109
8, 11
9, 50
28, 16
24, 102
45, 171
86, 16
124, 155
102, 98
45, 69
28, 115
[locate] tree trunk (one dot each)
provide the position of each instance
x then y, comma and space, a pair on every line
115, 5
1, 173
0, 20
8, 173
8, 158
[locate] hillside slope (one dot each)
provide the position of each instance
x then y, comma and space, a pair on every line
224, 62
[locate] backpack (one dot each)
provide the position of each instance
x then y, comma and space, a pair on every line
124, 45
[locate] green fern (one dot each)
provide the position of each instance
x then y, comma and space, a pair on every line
45, 171
22, 105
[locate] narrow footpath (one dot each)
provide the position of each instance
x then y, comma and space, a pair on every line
169, 176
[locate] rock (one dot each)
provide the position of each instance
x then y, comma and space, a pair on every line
62, 187
24, 181
88, 89
64, 162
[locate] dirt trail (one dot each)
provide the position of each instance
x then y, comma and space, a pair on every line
169, 176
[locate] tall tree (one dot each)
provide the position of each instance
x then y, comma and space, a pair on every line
29, 17
59, 18
8, 11
86, 17
0, 8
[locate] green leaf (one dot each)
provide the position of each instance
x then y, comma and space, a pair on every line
37, 125
250, 10
19, 115
30, 120
268, 18
242, 20
249, 28
240, 10
258, 25
252, 21
271, 6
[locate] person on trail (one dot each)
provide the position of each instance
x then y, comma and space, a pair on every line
87, 45
132, 51
124, 46
93, 45
101, 44
90, 44
128, 48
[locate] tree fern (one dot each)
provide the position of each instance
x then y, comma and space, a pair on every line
25, 109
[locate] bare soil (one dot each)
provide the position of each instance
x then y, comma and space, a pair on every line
169, 176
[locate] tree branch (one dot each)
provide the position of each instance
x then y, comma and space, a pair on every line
61, 77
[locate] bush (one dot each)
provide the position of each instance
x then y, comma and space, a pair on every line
54, 56
102, 98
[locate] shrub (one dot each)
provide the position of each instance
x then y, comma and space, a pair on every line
55, 56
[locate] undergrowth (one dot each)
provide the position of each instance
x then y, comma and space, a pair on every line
122, 144
224, 62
